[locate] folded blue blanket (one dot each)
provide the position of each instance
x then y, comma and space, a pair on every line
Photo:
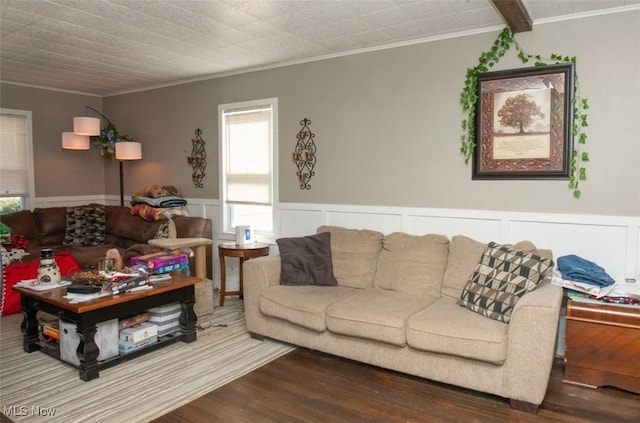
577, 269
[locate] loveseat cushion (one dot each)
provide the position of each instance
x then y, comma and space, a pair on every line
444, 327
354, 255
375, 314
464, 253
306, 260
302, 305
503, 275
412, 264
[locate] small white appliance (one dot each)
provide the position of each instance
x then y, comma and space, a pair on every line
244, 235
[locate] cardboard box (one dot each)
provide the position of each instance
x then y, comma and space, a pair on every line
106, 338
159, 262
139, 332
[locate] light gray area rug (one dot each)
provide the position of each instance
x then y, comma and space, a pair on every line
38, 388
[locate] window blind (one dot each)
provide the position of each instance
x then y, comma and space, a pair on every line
249, 145
14, 171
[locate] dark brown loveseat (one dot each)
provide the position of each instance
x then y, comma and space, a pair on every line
45, 228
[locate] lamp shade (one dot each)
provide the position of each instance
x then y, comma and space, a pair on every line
86, 126
128, 150
71, 141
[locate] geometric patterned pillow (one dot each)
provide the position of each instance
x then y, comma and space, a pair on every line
502, 276
96, 233
85, 226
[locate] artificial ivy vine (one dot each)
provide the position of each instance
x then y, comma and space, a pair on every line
469, 101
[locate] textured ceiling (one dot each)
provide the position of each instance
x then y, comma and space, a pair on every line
104, 47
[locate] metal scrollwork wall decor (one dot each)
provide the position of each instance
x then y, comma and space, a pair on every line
198, 158
304, 154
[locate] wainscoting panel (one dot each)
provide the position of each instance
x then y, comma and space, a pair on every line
612, 242
383, 222
603, 244
77, 200
450, 226
299, 222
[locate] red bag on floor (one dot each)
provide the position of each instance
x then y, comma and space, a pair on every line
17, 272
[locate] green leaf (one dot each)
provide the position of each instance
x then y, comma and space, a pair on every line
583, 120
576, 193
585, 104
585, 156
583, 138
583, 174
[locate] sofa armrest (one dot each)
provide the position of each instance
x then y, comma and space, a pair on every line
258, 275
532, 337
262, 272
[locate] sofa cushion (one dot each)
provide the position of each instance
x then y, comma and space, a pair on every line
464, 254
125, 229
51, 223
412, 264
354, 255
375, 314
306, 260
85, 226
446, 328
503, 275
302, 305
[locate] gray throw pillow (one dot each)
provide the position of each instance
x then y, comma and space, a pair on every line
500, 279
306, 260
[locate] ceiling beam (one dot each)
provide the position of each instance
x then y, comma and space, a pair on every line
515, 14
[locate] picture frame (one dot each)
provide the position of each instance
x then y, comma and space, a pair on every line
523, 123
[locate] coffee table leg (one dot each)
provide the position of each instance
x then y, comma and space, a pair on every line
29, 325
88, 352
188, 320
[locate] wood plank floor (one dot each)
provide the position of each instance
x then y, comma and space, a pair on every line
308, 386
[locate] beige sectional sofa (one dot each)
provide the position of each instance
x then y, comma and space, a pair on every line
395, 305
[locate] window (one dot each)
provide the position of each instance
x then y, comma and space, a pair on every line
248, 140
16, 161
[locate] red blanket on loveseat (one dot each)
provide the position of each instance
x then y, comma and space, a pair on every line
17, 272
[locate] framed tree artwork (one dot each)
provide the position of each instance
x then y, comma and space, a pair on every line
523, 128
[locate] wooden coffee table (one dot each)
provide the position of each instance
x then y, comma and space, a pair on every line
86, 315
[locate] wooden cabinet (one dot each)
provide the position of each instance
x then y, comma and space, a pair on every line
603, 345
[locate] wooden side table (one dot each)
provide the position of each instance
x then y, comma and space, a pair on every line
243, 252
603, 345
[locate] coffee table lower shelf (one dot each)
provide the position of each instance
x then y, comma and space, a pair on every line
87, 315
49, 349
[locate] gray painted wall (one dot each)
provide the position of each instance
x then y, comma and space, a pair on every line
387, 125
57, 172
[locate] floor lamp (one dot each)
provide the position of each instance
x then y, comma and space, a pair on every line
85, 127
126, 150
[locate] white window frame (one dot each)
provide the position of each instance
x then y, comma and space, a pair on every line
225, 209
28, 202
